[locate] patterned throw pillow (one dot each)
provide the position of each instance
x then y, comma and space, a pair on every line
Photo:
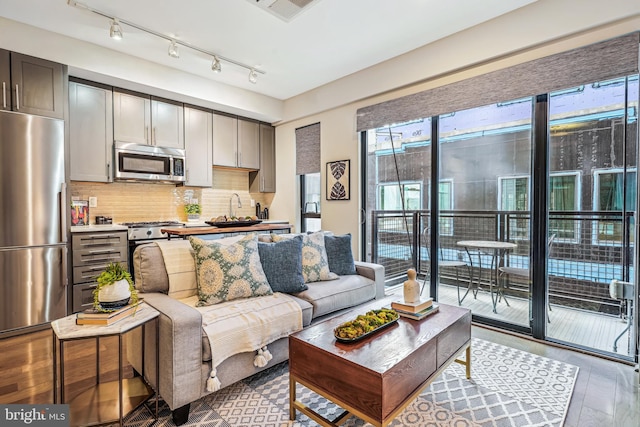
228, 272
315, 265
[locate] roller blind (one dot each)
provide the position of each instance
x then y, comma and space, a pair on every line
600, 61
308, 149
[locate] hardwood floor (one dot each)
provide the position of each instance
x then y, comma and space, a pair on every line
606, 392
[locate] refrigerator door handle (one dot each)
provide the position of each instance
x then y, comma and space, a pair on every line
63, 212
65, 269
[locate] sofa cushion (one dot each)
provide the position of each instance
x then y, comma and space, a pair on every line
347, 291
339, 254
315, 265
227, 272
149, 270
282, 264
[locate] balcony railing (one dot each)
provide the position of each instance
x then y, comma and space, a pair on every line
589, 249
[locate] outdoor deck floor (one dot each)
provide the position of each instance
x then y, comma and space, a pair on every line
569, 325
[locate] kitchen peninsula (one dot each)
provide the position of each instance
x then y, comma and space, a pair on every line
219, 232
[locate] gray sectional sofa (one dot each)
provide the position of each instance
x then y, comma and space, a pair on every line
184, 349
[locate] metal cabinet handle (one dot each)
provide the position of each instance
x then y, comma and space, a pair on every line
240, 159
154, 136
17, 98
4, 95
64, 271
63, 212
186, 175
146, 134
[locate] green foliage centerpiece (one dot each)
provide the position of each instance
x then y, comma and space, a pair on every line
193, 211
115, 289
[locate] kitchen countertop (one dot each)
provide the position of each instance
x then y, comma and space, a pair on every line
97, 228
192, 231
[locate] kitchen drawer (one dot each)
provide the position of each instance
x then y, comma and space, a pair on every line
88, 273
81, 241
83, 296
99, 254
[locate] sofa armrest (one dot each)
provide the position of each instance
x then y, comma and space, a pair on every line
180, 350
374, 272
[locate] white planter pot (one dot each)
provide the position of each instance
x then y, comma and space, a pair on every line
115, 292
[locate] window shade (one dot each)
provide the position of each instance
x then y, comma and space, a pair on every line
600, 61
308, 149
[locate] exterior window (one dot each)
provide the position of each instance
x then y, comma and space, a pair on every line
609, 195
445, 198
513, 195
310, 198
389, 197
563, 196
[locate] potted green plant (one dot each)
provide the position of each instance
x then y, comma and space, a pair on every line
193, 211
115, 288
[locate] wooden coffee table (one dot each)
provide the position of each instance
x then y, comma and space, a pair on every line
376, 378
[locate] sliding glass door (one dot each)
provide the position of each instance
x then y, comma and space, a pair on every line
485, 210
592, 193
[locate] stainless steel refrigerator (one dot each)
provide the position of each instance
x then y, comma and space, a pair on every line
33, 214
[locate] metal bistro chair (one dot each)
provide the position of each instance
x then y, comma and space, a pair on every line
524, 272
623, 292
442, 263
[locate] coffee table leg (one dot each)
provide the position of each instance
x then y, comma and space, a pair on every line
468, 365
292, 397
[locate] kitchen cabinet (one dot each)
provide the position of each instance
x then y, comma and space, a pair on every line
92, 251
225, 140
90, 132
142, 119
32, 85
198, 144
248, 144
264, 180
236, 142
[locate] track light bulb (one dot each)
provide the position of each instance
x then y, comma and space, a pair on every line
115, 32
215, 65
253, 76
173, 50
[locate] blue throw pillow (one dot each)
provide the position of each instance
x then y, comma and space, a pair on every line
282, 264
339, 254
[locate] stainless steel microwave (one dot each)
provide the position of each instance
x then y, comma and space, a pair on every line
137, 162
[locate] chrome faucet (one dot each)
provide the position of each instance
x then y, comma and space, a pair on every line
231, 213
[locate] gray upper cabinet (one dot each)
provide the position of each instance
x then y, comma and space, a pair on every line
225, 140
167, 124
143, 120
131, 118
236, 142
90, 133
32, 85
264, 180
198, 142
248, 144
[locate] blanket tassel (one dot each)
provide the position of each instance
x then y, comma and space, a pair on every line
263, 357
213, 383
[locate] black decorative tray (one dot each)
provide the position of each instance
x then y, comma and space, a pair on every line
366, 335
234, 223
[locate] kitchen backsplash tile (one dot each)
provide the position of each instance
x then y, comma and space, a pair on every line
129, 202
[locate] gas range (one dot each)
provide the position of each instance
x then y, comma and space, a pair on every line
149, 230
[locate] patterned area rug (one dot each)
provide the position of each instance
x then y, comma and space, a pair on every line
508, 387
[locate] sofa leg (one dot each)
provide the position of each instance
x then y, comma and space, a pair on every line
181, 414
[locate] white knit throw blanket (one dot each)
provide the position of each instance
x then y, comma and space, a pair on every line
244, 325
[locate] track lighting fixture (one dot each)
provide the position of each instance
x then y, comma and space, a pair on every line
253, 76
115, 32
215, 65
173, 50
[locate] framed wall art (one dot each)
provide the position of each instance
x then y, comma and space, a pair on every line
338, 185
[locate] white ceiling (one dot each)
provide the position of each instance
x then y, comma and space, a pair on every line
327, 40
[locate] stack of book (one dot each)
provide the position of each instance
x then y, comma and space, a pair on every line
92, 316
415, 310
